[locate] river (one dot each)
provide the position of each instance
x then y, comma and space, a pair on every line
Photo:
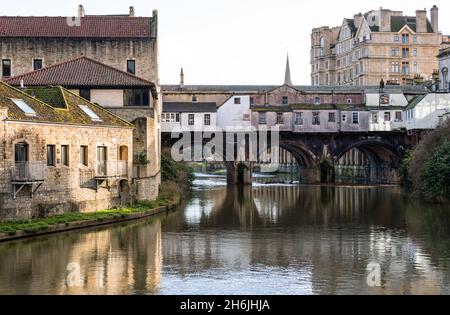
265, 239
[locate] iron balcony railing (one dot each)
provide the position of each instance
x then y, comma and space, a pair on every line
112, 169
29, 171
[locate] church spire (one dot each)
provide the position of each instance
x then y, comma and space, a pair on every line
287, 76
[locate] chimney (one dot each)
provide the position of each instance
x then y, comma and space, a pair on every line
182, 79
357, 18
132, 12
435, 18
385, 20
81, 12
421, 21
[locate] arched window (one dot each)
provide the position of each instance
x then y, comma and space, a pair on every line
445, 78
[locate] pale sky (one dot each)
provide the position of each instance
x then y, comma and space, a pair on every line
231, 41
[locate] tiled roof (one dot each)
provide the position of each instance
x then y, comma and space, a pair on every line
80, 72
112, 27
187, 107
70, 114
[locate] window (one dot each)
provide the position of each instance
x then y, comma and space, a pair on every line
415, 39
90, 113
84, 155
6, 68
21, 152
405, 52
102, 157
191, 119
177, 117
131, 66
298, 118
37, 64
24, 107
252, 101
285, 100
415, 68
237, 100
387, 116
396, 39
395, 67
355, 118
375, 118
262, 118
349, 101
415, 52
332, 117
405, 38
317, 100
207, 120
51, 155
395, 52
280, 119
316, 118
405, 67
65, 155
398, 116
86, 94
136, 97
344, 118
194, 98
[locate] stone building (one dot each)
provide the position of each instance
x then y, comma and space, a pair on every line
60, 153
127, 96
125, 42
380, 44
444, 65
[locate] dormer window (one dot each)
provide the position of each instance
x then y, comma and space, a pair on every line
194, 98
24, 107
285, 100
317, 100
90, 113
349, 101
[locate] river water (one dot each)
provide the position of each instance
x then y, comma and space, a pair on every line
265, 239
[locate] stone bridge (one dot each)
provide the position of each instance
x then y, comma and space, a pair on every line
382, 150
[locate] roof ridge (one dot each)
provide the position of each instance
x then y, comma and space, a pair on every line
43, 69
19, 77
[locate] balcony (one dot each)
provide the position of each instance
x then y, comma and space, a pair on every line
111, 169
27, 174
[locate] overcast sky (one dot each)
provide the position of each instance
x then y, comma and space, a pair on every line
231, 41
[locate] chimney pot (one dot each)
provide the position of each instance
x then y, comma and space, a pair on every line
132, 11
81, 12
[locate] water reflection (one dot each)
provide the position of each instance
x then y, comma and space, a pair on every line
262, 240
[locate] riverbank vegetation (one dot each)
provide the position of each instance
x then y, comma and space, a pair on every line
425, 171
177, 175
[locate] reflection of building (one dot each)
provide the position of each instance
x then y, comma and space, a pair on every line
378, 44
65, 152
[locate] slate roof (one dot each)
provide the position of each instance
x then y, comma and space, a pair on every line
80, 72
398, 22
188, 107
242, 89
67, 113
101, 27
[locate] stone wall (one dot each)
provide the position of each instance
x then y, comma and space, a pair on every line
114, 53
65, 188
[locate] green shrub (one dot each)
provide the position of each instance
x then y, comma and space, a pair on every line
435, 174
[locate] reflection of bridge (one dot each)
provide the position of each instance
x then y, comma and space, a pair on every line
318, 154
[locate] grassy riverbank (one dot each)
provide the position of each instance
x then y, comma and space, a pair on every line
169, 196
